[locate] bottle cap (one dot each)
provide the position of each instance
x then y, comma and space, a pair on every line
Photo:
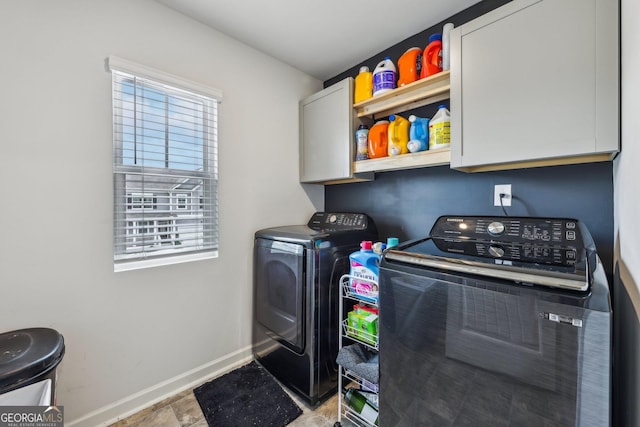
366, 245
412, 118
379, 247
363, 127
442, 106
392, 117
392, 241
434, 37
364, 69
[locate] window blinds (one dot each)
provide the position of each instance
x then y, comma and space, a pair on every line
164, 166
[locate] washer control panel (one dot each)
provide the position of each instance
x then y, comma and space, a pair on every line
328, 221
530, 239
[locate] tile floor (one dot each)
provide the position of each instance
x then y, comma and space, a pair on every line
182, 410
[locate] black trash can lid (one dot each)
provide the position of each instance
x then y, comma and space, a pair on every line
28, 353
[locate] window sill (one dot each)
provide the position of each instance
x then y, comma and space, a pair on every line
158, 262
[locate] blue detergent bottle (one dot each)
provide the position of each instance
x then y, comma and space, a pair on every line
364, 265
418, 134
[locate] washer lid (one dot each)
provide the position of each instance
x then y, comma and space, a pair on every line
28, 353
300, 234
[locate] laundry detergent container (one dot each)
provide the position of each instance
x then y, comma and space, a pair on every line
28, 362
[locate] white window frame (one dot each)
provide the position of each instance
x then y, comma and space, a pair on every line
184, 206
126, 230
142, 205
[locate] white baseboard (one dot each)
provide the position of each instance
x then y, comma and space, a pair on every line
143, 399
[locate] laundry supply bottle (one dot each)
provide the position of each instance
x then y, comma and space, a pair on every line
384, 77
398, 135
432, 57
446, 46
379, 247
373, 398
409, 66
364, 272
378, 139
359, 404
439, 129
363, 85
362, 142
392, 242
418, 134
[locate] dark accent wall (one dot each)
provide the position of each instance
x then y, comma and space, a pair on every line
626, 349
405, 204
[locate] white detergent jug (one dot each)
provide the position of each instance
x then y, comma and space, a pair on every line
439, 129
384, 77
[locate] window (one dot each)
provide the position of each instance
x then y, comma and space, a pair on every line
181, 201
140, 201
164, 163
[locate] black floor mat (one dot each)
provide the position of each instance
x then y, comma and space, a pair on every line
248, 396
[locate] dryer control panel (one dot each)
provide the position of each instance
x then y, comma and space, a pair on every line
327, 221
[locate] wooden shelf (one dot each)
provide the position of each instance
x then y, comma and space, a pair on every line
439, 157
417, 94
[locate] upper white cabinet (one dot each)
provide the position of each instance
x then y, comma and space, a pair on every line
535, 82
327, 135
329, 119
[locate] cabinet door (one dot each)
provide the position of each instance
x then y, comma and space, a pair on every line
326, 141
535, 79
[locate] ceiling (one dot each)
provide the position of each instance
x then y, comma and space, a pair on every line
320, 37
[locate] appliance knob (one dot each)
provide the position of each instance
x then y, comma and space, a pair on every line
495, 228
496, 251
332, 218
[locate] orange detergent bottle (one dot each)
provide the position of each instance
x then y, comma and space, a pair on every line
378, 139
363, 85
409, 66
432, 57
398, 135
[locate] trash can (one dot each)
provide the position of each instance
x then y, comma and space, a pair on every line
28, 362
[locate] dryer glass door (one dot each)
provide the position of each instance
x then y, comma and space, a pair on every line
279, 291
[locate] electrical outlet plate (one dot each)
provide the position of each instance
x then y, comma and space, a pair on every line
502, 189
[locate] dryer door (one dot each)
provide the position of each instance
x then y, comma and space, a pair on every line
279, 291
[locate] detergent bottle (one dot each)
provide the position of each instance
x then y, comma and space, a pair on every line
398, 135
378, 139
363, 85
418, 134
439, 129
364, 271
362, 141
384, 77
432, 57
409, 66
446, 46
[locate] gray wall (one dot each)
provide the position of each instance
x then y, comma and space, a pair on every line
132, 338
626, 291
